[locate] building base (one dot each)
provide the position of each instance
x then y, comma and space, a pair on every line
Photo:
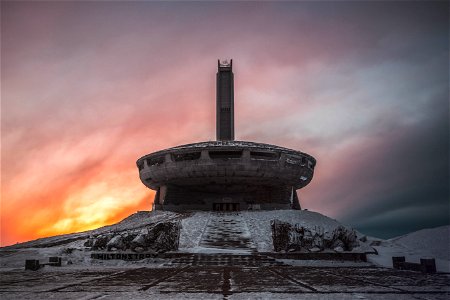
182, 198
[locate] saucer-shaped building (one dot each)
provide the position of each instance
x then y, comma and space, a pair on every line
226, 175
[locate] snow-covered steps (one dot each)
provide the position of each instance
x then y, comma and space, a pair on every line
320, 256
227, 231
252, 260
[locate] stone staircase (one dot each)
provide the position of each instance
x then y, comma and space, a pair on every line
227, 231
250, 260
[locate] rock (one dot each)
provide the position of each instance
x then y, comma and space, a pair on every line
317, 231
375, 243
116, 243
338, 249
314, 249
140, 241
350, 239
294, 247
337, 243
327, 239
317, 242
290, 238
168, 237
280, 235
101, 241
346, 236
89, 242
308, 238
127, 238
296, 236
363, 239
162, 237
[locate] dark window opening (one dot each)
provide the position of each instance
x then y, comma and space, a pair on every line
264, 155
303, 160
291, 160
155, 161
226, 207
225, 154
186, 156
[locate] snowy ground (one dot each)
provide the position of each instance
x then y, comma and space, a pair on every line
135, 221
254, 225
259, 224
199, 229
216, 235
426, 243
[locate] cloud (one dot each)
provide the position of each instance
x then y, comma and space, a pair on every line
87, 88
403, 169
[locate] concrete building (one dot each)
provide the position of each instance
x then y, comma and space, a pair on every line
226, 175
225, 102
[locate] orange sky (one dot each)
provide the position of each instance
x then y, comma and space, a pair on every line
88, 88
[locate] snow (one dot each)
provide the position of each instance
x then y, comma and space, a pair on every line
255, 226
424, 243
421, 244
137, 220
433, 242
215, 250
258, 223
270, 283
323, 263
192, 229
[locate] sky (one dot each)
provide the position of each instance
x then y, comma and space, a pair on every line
89, 87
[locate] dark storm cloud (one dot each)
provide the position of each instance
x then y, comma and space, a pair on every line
409, 175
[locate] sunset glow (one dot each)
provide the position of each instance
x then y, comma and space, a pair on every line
89, 87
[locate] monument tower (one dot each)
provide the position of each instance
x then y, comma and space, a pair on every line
226, 174
225, 101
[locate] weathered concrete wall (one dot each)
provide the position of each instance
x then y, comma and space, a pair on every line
197, 195
242, 173
189, 207
226, 163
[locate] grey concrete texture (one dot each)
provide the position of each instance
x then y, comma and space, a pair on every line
226, 163
196, 280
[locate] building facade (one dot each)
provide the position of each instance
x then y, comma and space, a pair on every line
226, 175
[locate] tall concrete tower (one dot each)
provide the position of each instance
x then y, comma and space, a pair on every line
226, 175
225, 102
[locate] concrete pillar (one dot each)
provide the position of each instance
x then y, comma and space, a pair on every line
246, 154
204, 155
282, 160
162, 194
168, 158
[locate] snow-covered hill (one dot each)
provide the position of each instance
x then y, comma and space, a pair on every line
137, 220
425, 243
193, 226
434, 242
